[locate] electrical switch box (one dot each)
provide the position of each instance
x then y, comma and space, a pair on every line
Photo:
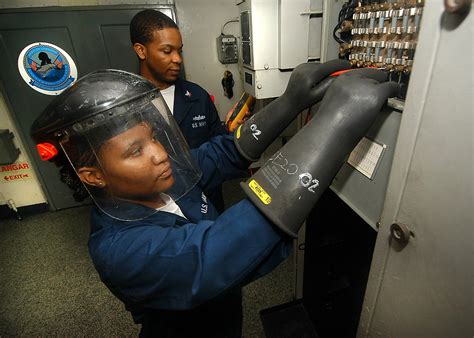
227, 50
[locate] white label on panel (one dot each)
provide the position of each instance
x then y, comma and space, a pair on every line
365, 156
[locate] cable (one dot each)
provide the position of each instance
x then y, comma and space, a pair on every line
345, 13
232, 20
338, 39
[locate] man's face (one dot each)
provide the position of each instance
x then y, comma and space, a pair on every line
162, 56
135, 165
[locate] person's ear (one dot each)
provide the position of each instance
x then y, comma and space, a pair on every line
140, 50
92, 176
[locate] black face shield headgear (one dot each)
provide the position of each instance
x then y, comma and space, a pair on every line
100, 106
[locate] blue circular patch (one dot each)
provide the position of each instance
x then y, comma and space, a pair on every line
46, 68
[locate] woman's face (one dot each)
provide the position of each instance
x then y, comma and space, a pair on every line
135, 165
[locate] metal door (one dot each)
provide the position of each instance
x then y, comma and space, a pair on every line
95, 38
422, 287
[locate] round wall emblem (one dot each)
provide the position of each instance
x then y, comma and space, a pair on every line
46, 68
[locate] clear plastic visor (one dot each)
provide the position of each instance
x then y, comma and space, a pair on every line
129, 156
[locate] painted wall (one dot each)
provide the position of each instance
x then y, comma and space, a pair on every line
201, 23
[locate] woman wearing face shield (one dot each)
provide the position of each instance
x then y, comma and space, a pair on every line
156, 241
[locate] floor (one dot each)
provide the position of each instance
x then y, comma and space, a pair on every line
48, 286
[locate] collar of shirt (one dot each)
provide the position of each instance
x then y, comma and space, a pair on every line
168, 95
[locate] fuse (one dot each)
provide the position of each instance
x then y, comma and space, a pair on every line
381, 23
372, 22
405, 21
393, 27
417, 19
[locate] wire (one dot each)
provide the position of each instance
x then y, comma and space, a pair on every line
338, 39
232, 20
345, 13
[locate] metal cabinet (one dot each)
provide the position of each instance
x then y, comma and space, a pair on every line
421, 277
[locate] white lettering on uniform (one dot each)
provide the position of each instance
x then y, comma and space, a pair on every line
199, 118
204, 205
200, 121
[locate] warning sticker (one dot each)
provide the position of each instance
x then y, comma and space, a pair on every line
260, 192
15, 172
238, 132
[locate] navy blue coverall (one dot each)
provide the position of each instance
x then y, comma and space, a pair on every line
199, 121
182, 277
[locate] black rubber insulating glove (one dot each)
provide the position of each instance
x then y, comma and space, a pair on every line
290, 183
307, 85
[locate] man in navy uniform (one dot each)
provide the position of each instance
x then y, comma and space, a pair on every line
158, 44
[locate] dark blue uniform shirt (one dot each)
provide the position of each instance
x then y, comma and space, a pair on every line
166, 262
195, 113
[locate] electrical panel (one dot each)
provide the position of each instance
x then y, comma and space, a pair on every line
269, 47
227, 50
381, 34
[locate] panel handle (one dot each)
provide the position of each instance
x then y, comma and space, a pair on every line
401, 233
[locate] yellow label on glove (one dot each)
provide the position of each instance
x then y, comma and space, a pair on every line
238, 132
260, 192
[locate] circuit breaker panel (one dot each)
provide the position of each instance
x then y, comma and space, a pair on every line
381, 34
